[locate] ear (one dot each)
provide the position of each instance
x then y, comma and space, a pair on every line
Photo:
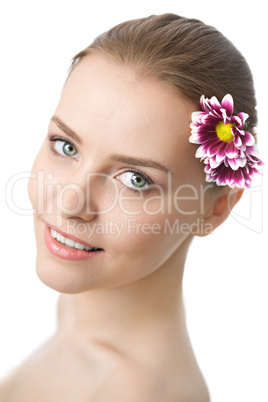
220, 210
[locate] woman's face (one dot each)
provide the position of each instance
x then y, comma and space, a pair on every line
116, 174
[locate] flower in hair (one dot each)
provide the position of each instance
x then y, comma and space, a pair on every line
228, 151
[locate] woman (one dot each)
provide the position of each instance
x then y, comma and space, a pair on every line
119, 196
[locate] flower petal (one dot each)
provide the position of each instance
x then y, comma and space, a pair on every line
248, 139
231, 150
243, 117
237, 141
228, 104
214, 103
200, 152
233, 163
196, 117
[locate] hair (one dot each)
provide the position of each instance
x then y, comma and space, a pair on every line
193, 58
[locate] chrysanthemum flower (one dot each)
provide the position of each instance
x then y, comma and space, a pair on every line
229, 152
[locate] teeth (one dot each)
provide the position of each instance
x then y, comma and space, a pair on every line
60, 238
53, 233
79, 246
70, 243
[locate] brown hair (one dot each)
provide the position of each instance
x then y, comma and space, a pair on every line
187, 54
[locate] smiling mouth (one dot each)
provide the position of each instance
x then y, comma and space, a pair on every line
71, 243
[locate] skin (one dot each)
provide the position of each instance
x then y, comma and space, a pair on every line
121, 333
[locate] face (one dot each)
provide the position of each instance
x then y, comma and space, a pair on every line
115, 186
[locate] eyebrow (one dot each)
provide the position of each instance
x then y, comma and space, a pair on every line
116, 157
139, 162
67, 130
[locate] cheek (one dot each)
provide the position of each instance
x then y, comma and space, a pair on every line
35, 177
32, 193
40, 183
153, 213
141, 249
145, 240
159, 226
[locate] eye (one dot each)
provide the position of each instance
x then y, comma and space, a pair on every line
64, 148
134, 180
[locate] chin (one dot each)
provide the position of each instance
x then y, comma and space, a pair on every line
61, 277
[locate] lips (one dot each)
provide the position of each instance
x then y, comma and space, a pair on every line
67, 247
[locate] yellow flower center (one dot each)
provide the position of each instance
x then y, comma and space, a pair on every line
224, 131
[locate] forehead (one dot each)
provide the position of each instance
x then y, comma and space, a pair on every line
109, 102
99, 85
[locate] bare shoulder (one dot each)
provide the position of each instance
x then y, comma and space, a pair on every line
132, 383
6, 385
4, 391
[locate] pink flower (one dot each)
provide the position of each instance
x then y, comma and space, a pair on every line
229, 152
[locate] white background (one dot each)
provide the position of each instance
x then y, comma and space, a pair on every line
226, 274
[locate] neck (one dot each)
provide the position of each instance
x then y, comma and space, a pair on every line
113, 316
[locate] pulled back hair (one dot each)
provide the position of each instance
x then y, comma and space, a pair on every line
186, 54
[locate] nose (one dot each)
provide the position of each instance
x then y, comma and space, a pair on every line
87, 196
73, 201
